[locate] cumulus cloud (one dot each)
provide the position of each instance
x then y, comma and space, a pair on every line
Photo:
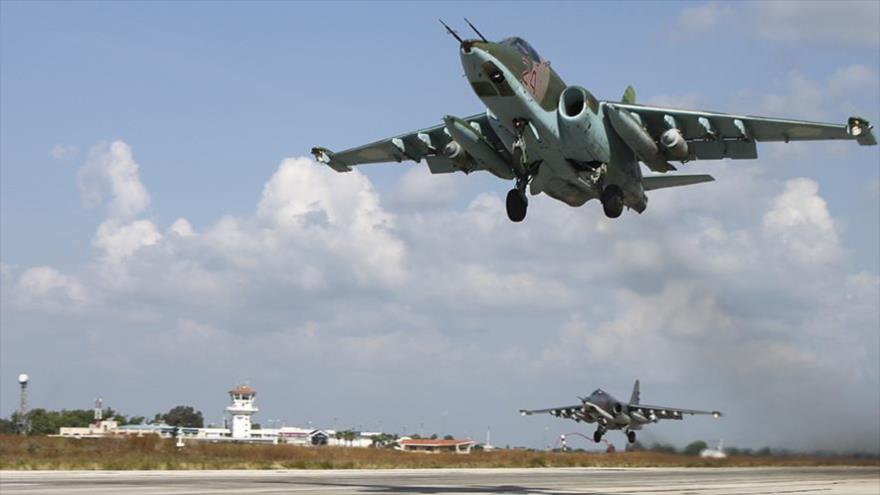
111, 178
317, 207
323, 280
45, 288
182, 227
419, 188
800, 224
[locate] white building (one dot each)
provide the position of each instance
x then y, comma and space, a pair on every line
241, 409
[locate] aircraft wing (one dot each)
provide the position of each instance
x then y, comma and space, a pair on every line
425, 143
662, 412
713, 136
586, 411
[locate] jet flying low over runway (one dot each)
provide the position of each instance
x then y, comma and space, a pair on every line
609, 413
560, 140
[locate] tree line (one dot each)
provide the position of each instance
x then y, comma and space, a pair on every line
48, 422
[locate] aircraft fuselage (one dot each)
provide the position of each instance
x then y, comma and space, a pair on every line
566, 131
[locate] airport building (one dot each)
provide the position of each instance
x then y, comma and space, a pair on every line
241, 409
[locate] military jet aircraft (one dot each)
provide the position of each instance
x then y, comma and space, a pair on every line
560, 140
609, 413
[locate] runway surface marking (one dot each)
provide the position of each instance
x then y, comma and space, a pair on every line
541, 481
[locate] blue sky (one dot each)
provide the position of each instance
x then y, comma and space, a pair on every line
198, 105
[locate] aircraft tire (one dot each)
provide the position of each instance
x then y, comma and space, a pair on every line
612, 201
631, 436
597, 436
517, 205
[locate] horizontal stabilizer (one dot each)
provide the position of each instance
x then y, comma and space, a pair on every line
662, 182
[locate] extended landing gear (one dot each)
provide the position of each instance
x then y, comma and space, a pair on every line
631, 436
517, 201
517, 204
612, 201
597, 435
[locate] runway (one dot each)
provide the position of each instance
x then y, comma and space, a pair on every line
827, 480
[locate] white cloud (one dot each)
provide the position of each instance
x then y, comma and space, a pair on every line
419, 188
698, 19
119, 241
844, 22
61, 151
310, 204
182, 227
110, 170
323, 277
800, 226
45, 288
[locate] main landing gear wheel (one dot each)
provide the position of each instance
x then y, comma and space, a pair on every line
631, 436
597, 435
612, 201
517, 204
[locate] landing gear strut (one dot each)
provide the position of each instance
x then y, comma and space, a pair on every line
612, 201
597, 435
517, 201
631, 436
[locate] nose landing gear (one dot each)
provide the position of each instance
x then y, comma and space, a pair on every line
597, 435
631, 436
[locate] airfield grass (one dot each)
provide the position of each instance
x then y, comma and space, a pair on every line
147, 453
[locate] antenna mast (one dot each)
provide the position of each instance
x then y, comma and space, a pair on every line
451, 31
475, 30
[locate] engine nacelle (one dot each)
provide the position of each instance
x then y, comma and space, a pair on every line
674, 145
617, 408
576, 115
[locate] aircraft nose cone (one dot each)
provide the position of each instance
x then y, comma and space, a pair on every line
472, 59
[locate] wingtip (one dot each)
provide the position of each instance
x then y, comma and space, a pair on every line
861, 130
325, 156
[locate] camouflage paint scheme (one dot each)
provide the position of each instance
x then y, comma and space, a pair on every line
575, 147
609, 413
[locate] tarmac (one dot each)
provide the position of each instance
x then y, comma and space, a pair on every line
668, 481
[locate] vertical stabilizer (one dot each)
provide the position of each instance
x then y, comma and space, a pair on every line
629, 96
634, 399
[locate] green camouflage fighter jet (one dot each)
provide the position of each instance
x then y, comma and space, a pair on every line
609, 413
562, 141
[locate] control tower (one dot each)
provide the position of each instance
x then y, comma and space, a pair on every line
242, 409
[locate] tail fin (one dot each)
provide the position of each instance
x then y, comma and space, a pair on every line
634, 399
629, 96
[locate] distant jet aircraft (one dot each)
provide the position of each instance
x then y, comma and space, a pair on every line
562, 141
611, 414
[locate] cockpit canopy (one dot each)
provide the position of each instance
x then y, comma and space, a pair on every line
522, 46
598, 392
